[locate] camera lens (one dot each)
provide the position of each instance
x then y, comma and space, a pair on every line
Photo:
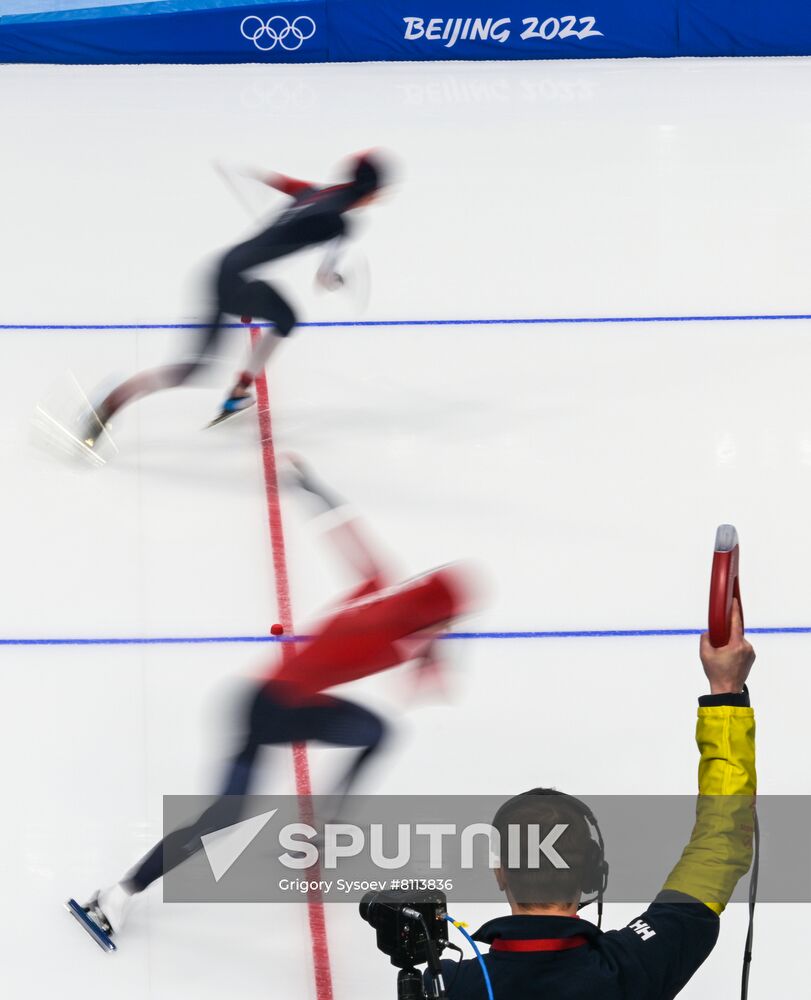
366, 905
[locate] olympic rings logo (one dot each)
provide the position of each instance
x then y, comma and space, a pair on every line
277, 30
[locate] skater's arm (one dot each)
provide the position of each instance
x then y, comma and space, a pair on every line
287, 185
345, 532
428, 667
354, 547
328, 275
307, 481
291, 186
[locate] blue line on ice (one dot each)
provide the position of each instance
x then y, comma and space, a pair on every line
517, 321
190, 640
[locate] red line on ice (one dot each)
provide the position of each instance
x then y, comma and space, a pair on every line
301, 764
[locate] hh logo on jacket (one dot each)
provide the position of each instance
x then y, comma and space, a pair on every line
645, 931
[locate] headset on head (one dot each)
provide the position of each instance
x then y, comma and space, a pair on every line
594, 870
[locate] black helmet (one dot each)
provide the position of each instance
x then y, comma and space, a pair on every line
367, 174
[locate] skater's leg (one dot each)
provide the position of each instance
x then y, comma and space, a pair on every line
144, 384
263, 717
263, 302
230, 290
156, 379
257, 300
223, 812
260, 301
240, 395
108, 908
261, 352
330, 720
337, 722
352, 725
181, 844
327, 720
347, 782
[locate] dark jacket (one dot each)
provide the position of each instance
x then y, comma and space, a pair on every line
650, 959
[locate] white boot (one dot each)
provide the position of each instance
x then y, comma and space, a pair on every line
110, 906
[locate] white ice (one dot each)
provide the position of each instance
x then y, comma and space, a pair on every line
585, 466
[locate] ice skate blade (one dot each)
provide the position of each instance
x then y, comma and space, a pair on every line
60, 437
63, 423
222, 417
103, 940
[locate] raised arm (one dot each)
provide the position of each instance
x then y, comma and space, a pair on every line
666, 944
720, 849
346, 532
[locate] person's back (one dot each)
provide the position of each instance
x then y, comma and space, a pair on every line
544, 950
539, 957
315, 215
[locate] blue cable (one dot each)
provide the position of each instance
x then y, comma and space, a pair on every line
479, 955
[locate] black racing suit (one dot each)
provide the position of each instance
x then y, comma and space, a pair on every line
315, 216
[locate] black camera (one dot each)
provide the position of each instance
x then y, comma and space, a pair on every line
411, 929
408, 924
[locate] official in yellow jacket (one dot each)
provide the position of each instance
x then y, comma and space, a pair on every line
544, 951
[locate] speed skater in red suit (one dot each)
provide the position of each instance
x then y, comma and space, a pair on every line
379, 625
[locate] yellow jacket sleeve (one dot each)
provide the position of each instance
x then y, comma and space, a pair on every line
720, 849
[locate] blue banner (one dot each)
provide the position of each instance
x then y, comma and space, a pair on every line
487, 29
170, 31
745, 28
220, 31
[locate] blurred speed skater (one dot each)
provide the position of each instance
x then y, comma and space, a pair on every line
316, 216
380, 625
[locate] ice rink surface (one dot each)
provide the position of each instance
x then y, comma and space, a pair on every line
585, 465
